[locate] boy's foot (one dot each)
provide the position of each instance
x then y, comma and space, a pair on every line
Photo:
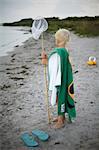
56, 119
59, 125
60, 122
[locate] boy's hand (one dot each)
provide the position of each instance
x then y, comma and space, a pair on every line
44, 57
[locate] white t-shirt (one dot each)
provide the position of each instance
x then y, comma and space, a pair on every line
54, 69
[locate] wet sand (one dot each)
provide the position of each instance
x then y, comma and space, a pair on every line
22, 101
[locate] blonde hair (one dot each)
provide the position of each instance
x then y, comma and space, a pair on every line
63, 34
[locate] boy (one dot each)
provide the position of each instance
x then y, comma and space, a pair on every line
60, 78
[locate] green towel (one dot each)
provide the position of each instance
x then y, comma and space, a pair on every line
66, 102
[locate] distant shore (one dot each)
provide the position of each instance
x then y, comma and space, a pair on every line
83, 26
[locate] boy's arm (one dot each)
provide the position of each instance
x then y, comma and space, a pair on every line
71, 62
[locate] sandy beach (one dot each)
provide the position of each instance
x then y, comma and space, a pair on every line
22, 101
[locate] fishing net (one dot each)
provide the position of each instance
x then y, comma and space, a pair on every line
38, 27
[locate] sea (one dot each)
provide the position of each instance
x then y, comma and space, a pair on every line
11, 37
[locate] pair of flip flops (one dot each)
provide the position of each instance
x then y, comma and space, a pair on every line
30, 141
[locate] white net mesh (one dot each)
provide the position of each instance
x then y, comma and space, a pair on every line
39, 26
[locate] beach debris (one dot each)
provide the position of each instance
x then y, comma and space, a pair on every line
23, 72
26, 73
26, 33
17, 78
92, 60
17, 46
91, 102
76, 71
9, 73
8, 69
4, 87
25, 67
5, 103
56, 143
21, 83
12, 68
20, 108
12, 60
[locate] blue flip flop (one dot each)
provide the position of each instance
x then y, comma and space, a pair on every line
28, 140
40, 134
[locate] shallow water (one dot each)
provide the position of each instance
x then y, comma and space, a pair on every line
10, 37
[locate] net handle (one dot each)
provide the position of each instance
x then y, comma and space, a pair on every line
46, 85
42, 41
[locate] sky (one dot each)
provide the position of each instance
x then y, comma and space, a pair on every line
13, 10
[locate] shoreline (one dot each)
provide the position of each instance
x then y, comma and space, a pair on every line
22, 104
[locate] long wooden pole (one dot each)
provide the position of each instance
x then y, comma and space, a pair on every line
46, 85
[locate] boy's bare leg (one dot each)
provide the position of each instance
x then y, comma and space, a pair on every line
58, 118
